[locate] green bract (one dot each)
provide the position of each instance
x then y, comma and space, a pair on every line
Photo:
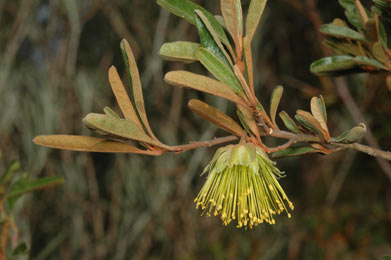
242, 184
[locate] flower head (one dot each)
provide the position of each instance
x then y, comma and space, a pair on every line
242, 184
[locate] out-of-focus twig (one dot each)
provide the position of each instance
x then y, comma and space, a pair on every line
119, 25
344, 93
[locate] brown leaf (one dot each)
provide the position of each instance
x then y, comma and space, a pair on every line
88, 144
318, 115
202, 83
137, 88
232, 13
121, 128
215, 116
122, 96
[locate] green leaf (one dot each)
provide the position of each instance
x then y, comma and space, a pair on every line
352, 13
209, 39
8, 176
28, 186
255, 12
339, 65
219, 69
342, 32
322, 107
353, 135
185, 9
179, 51
294, 151
343, 47
215, 116
275, 101
119, 127
202, 83
87, 144
21, 249
289, 122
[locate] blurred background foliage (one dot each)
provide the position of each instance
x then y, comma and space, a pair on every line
54, 58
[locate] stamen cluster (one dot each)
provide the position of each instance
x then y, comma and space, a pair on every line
242, 184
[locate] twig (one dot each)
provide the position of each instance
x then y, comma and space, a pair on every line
354, 111
368, 150
194, 145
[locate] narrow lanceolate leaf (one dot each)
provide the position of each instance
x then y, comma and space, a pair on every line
289, 122
185, 9
136, 91
35, 185
122, 96
339, 65
342, 32
219, 69
353, 135
249, 62
179, 51
202, 83
88, 144
294, 151
308, 121
215, 116
232, 13
119, 127
319, 116
275, 101
209, 38
322, 107
255, 12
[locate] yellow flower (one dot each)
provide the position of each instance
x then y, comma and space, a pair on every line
242, 185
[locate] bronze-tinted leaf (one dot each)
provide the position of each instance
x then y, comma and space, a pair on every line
88, 144
120, 127
318, 114
122, 96
202, 83
255, 12
215, 116
232, 13
308, 121
136, 94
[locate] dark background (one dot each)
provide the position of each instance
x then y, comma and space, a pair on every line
54, 58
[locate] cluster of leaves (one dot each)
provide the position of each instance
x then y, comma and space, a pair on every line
12, 187
363, 49
225, 51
